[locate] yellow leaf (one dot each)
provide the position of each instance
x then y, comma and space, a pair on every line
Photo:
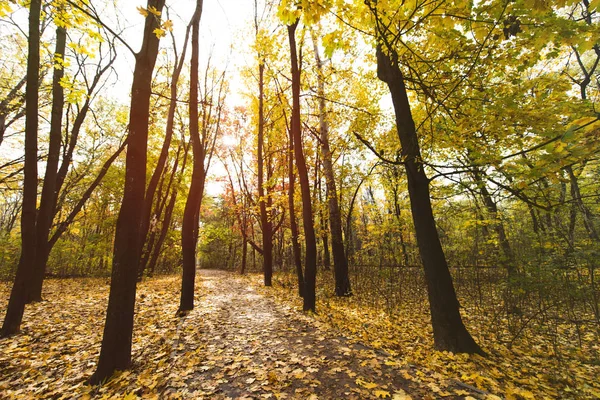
382, 394
168, 25
365, 384
142, 11
159, 32
130, 396
154, 11
401, 395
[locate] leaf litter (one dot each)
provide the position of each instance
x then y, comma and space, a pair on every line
242, 341
236, 344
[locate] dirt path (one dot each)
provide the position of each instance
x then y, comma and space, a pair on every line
238, 343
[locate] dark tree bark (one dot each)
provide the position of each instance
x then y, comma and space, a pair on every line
45, 214
189, 230
449, 332
297, 256
265, 222
340, 262
585, 212
310, 259
115, 353
18, 294
161, 202
166, 220
164, 152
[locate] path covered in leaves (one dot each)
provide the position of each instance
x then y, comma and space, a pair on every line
237, 343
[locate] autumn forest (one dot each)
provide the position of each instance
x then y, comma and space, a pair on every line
347, 200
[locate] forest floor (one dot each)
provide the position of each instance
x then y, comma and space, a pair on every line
237, 343
242, 341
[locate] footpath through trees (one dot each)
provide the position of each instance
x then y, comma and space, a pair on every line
240, 344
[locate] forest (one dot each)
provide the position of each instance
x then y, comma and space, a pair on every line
349, 199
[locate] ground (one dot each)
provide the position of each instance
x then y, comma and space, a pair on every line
237, 343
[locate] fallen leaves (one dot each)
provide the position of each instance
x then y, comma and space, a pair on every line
246, 341
528, 368
235, 344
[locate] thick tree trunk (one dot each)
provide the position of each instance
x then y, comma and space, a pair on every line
449, 332
18, 294
340, 262
49, 194
115, 353
310, 259
189, 229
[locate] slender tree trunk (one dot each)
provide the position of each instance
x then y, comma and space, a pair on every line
62, 227
508, 259
449, 332
18, 294
340, 262
189, 231
265, 222
310, 259
164, 152
585, 212
293, 222
48, 200
115, 353
161, 201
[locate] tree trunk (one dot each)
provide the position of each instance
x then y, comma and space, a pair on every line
449, 332
508, 259
161, 201
340, 262
265, 221
310, 260
48, 200
293, 222
585, 212
18, 294
189, 230
115, 353
164, 152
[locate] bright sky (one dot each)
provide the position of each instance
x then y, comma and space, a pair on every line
225, 29
224, 34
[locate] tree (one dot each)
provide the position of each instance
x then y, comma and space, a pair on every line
265, 201
18, 294
49, 193
189, 231
340, 263
449, 331
164, 152
115, 353
310, 259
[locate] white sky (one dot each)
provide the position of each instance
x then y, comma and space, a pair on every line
225, 34
224, 29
